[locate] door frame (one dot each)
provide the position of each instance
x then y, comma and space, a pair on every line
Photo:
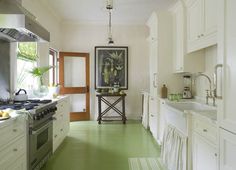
75, 116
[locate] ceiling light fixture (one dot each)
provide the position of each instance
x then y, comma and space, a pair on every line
109, 7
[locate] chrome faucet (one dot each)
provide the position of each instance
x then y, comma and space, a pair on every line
209, 93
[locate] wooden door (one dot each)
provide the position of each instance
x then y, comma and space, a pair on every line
74, 81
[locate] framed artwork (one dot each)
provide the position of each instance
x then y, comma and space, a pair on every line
111, 67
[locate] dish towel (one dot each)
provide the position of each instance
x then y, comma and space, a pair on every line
144, 164
174, 149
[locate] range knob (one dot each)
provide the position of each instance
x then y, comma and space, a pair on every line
45, 112
38, 117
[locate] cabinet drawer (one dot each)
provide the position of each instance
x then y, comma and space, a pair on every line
12, 131
206, 129
13, 150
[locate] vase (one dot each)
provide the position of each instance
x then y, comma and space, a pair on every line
41, 90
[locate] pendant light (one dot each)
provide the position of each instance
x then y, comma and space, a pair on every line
109, 7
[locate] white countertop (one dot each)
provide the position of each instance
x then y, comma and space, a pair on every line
13, 116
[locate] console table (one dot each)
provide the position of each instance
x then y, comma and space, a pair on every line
104, 97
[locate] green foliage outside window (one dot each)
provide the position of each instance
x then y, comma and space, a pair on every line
27, 51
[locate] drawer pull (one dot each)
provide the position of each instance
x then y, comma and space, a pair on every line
216, 154
204, 130
15, 149
14, 130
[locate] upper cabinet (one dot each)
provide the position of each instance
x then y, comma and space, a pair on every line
183, 62
201, 24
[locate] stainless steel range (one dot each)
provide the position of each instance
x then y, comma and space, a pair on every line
40, 134
40, 119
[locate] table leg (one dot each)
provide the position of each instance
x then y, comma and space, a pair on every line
123, 110
99, 110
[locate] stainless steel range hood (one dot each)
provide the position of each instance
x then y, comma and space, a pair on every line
19, 25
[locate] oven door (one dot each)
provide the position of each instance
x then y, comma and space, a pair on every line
40, 142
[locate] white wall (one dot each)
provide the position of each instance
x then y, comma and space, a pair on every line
51, 23
201, 83
83, 38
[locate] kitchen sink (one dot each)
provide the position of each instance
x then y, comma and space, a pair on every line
176, 113
184, 106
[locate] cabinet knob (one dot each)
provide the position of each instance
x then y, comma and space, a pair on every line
202, 35
204, 130
215, 154
199, 36
152, 115
61, 130
55, 136
15, 149
14, 130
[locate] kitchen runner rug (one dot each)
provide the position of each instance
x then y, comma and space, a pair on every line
145, 164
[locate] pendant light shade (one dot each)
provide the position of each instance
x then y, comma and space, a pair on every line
109, 7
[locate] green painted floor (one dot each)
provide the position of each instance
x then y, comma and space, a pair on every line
108, 146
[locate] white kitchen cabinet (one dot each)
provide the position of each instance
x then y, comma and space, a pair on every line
226, 107
13, 149
162, 121
204, 154
183, 62
18, 164
201, 24
227, 150
160, 54
204, 144
153, 63
61, 122
153, 117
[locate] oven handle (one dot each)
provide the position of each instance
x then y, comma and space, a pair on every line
36, 132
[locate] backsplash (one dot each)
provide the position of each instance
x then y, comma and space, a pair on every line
201, 83
4, 69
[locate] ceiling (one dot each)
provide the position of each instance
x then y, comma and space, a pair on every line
94, 11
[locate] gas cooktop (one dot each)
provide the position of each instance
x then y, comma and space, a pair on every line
27, 105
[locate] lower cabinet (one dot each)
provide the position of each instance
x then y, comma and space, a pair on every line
204, 154
153, 116
18, 164
13, 151
61, 122
204, 145
227, 150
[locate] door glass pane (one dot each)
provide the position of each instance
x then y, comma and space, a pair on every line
74, 71
78, 102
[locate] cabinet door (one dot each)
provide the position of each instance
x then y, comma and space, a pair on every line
153, 68
153, 118
195, 21
179, 38
19, 164
210, 17
227, 150
204, 154
226, 109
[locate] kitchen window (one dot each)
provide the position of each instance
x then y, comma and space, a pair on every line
53, 73
26, 60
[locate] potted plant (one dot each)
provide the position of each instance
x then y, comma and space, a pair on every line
39, 72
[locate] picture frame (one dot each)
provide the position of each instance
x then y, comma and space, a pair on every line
111, 67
